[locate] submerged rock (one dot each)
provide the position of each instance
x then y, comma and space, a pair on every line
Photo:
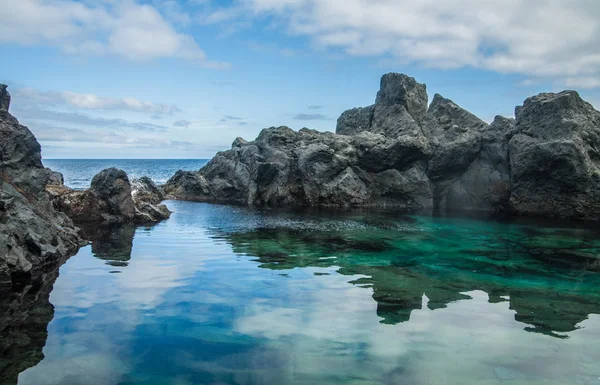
34, 237
398, 152
546, 256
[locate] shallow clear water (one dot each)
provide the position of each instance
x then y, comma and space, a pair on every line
78, 173
232, 295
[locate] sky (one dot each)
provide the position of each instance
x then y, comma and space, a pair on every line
184, 78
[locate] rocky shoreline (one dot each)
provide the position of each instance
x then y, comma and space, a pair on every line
40, 217
400, 152
111, 199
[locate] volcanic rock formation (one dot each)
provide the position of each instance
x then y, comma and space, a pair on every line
37, 211
33, 235
399, 152
111, 200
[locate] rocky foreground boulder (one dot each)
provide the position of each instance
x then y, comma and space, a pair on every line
145, 190
111, 200
37, 212
34, 237
146, 198
555, 157
401, 152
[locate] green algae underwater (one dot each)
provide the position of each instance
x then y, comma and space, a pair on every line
234, 295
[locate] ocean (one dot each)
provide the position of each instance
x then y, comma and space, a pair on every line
78, 173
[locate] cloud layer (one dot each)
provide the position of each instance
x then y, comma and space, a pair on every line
93, 102
552, 39
125, 28
31, 114
305, 116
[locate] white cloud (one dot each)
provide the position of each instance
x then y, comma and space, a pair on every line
174, 11
88, 138
32, 116
220, 15
552, 39
93, 102
135, 31
583, 82
336, 318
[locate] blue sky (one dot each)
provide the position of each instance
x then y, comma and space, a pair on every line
183, 78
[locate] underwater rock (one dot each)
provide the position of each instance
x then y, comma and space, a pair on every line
397, 265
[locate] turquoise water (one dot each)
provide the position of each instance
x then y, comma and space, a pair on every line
231, 295
78, 173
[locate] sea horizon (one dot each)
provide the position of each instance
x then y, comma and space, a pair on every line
78, 173
126, 159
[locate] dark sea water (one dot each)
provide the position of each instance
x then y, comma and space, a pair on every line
78, 173
231, 295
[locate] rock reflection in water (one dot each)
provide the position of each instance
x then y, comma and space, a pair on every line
229, 295
25, 312
25, 308
111, 243
549, 275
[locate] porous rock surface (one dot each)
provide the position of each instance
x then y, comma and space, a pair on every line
401, 152
37, 212
111, 200
34, 237
146, 199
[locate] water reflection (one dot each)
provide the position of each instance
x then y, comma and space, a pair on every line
111, 243
24, 316
229, 295
548, 276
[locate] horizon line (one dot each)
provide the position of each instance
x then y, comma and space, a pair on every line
126, 159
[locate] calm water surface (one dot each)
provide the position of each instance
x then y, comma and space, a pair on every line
228, 295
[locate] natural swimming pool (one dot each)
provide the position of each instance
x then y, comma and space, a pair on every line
231, 295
